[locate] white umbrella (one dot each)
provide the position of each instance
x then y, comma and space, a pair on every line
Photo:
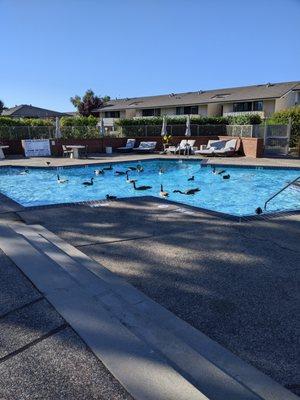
188, 127
164, 127
57, 128
101, 127
188, 133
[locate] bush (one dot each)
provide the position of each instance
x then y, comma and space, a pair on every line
283, 117
79, 121
197, 120
80, 132
250, 119
8, 121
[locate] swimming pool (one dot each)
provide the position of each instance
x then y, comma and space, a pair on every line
247, 188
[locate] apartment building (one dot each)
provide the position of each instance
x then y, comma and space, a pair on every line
262, 99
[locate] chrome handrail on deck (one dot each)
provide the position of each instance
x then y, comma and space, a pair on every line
281, 190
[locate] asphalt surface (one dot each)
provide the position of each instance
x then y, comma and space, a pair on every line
237, 283
41, 357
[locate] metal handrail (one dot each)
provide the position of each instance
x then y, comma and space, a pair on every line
281, 190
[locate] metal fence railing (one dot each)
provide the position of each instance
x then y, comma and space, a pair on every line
277, 138
174, 130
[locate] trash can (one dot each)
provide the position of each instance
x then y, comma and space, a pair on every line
108, 150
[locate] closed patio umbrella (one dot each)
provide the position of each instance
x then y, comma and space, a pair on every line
188, 127
57, 128
164, 127
188, 133
101, 127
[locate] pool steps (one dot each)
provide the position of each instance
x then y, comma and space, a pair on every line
154, 354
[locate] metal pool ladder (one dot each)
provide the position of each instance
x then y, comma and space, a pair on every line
279, 191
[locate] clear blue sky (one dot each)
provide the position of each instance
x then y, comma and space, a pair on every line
53, 49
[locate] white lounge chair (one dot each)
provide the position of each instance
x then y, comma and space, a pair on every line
211, 147
228, 149
128, 147
145, 147
184, 145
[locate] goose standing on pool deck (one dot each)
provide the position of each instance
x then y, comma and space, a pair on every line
144, 187
89, 183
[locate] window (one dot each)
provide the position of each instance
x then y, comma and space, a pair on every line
112, 114
187, 110
258, 106
151, 112
248, 106
240, 107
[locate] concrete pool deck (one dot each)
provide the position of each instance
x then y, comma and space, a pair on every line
235, 282
115, 157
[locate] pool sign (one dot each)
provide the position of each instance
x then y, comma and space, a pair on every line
36, 147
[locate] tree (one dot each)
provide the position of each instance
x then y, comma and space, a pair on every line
1, 106
88, 102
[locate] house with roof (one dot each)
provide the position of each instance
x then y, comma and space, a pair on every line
29, 111
262, 99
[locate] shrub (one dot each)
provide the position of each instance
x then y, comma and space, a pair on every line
79, 121
197, 120
250, 119
283, 117
8, 121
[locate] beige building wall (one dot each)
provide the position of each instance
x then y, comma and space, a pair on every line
168, 111
227, 108
214, 109
287, 101
131, 112
268, 107
202, 110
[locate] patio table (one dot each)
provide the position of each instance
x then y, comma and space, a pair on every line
2, 156
75, 149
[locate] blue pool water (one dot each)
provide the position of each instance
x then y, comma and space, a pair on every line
246, 189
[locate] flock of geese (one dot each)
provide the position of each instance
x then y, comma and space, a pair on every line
139, 168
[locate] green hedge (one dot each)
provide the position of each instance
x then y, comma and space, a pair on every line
197, 120
8, 121
172, 121
79, 121
251, 119
283, 117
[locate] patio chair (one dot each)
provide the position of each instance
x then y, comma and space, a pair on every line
183, 146
228, 150
145, 147
66, 152
128, 147
211, 147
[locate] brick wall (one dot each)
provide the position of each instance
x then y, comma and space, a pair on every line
250, 147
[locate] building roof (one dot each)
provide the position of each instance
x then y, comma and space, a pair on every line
29, 111
246, 93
